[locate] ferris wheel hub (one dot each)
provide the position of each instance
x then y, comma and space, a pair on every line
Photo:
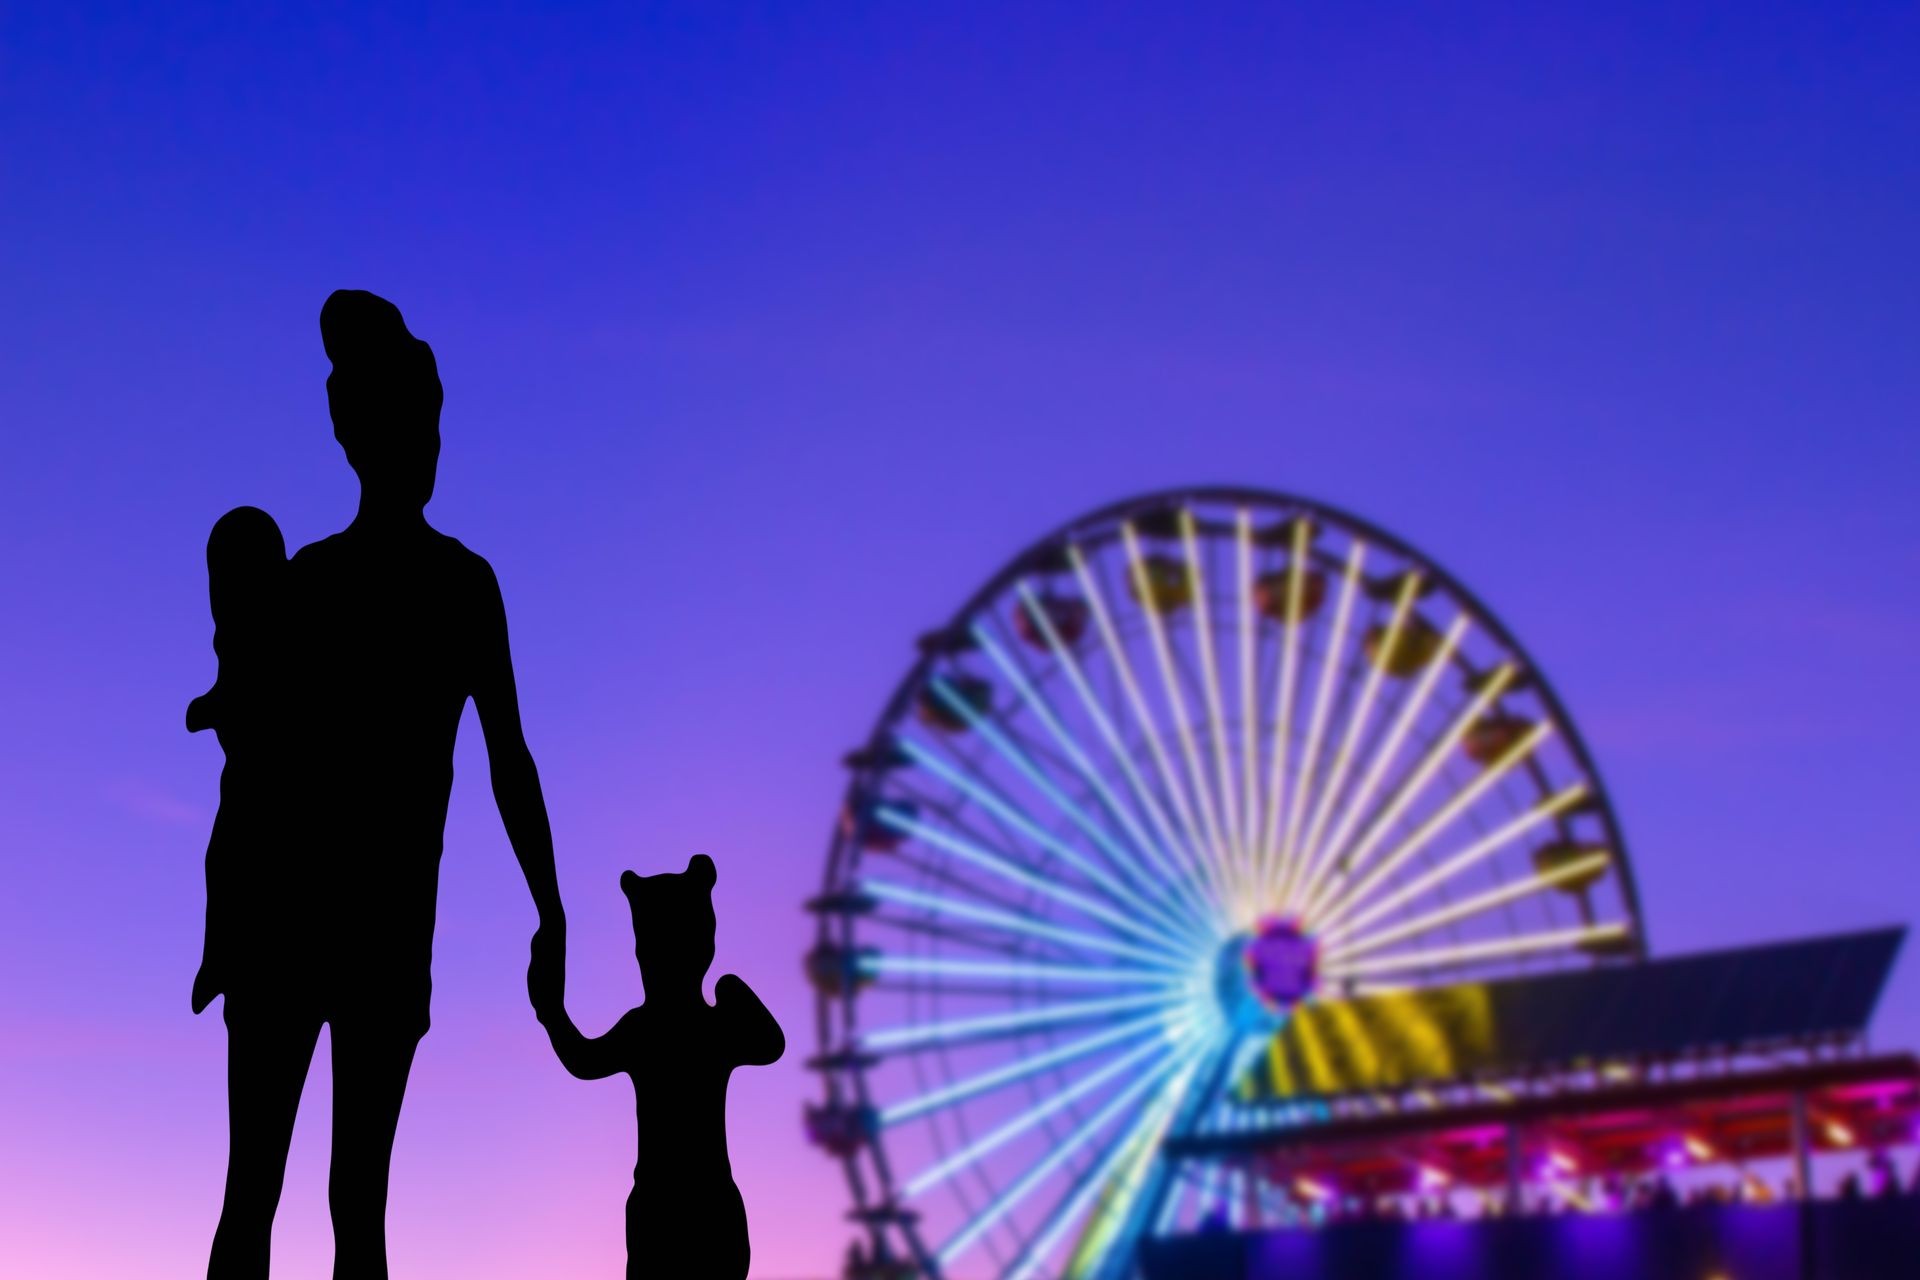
1263, 974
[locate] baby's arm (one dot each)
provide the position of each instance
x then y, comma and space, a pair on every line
585, 1058
757, 1038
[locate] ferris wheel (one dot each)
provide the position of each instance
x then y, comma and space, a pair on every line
1185, 768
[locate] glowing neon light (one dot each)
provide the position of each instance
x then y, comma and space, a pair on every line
1210, 670
1416, 783
1026, 1120
1054, 1015
1249, 716
983, 1221
1309, 1189
986, 796
1195, 846
1177, 701
932, 966
1290, 627
889, 892
1357, 718
1484, 847
970, 853
1137, 1143
1154, 1024
1189, 883
1135, 868
1469, 952
1331, 663
1389, 750
1486, 901
1457, 804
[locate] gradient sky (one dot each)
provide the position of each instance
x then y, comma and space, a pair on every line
768, 332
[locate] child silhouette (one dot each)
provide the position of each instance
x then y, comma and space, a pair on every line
246, 572
685, 1217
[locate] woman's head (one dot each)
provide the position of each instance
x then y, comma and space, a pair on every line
384, 395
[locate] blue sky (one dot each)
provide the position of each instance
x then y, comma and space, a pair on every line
770, 331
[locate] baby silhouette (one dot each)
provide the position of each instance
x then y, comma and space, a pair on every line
246, 572
685, 1217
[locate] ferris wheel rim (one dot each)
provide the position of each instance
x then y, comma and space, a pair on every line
836, 1015
1018, 565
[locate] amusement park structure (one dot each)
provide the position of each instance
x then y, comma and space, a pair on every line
1226, 892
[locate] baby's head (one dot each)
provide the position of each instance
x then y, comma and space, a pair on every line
672, 924
245, 555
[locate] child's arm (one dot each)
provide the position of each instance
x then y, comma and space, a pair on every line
585, 1058
757, 1038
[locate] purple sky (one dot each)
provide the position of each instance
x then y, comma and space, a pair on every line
768, 332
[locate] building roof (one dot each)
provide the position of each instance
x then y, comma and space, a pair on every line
1807, 991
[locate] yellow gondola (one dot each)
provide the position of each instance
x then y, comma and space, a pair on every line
1168, 585
1550, 859
1417, 645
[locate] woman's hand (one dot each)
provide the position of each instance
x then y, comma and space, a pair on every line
547, 967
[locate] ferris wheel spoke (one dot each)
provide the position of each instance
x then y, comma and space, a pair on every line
1190, 887
1367, 943
1358, 716
1134, 867
1177, 872
1437, 822
1249, 687
1216, 714
1025, 1121
1143, 586
974, 940
1176, 933
1388, 749
1003, 921
1332, 661
1042, 1169
1195, 845
1120, 1169
1469, 953
980, 1084
995, 893
1292, 623
888, 966
994, 864
1335, 924
1409, 789
995, 1026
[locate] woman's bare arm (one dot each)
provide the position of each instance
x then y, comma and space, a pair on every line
584, 1057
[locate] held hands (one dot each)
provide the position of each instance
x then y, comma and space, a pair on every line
547, 969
